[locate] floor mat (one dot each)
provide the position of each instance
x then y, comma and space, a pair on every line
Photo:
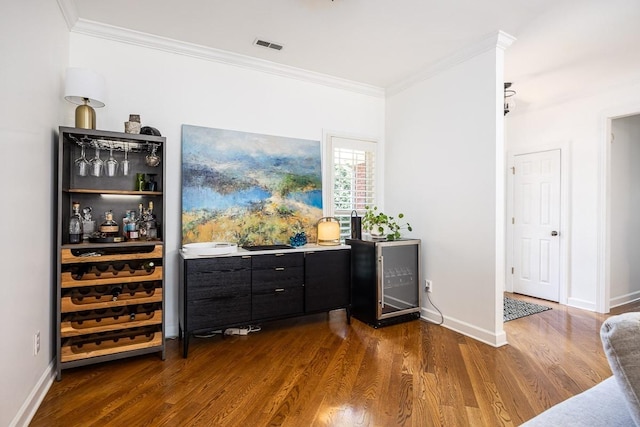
515, 309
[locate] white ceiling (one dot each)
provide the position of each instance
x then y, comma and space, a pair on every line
561, 44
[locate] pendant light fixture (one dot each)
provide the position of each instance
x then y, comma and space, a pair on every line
508, 93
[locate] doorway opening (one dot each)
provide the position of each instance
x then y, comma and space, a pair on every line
622, 284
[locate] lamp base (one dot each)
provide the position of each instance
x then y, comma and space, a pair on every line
85, 117
328, 242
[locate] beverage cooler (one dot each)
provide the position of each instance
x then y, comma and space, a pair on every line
385, 278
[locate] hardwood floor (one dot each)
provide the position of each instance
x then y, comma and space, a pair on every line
319, 371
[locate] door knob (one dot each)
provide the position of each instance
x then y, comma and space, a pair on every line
554, 233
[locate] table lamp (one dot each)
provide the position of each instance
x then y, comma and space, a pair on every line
86, 88
328, 231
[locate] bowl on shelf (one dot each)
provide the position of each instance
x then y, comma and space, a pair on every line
209, 248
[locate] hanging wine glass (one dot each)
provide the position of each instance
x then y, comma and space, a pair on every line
82, 164
152, 159
112, 163
97, 163
125, 163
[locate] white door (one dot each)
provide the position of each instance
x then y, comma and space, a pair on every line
536, 232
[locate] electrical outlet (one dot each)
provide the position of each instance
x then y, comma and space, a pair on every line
428, 285
36, 343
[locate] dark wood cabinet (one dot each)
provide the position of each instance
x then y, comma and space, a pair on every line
230, 291
327, 287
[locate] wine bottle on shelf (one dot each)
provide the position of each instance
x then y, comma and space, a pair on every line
75, 224
110, 228
115, 292
140, 224
129, 226
152, 228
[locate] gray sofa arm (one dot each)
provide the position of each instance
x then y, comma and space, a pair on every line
621, 341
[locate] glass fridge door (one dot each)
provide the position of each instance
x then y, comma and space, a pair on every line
399, 292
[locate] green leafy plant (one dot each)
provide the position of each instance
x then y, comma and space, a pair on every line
381, 223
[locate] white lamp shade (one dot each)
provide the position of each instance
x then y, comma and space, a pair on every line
81, 84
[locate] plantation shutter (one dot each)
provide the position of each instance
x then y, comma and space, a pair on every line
353, 179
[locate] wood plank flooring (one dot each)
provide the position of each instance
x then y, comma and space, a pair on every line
319, 371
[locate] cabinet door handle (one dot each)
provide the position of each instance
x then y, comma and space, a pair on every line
279, 268
279, 254
280, 290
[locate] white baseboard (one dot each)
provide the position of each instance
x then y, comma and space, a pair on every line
35, 398
171, 330
625, 299
482, 335
583, 304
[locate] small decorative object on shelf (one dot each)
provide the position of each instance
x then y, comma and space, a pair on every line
148, 130
133, 125
140, 184
151, 185
75, 225
153, 159
298, 239
381, 225
356, 225
147, 223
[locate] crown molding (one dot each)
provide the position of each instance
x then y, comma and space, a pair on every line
123, 35
69, 12
500, 40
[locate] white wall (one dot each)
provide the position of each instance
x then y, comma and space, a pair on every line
625, 210
169, 90
34, 51
581, 123
443, 148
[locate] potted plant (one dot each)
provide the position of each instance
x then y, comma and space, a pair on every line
380, 224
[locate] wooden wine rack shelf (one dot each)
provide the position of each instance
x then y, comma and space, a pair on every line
74, 329
67, 281
67, 304
71, 353
69, 258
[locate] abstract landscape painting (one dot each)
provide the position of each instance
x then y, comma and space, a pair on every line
248, 188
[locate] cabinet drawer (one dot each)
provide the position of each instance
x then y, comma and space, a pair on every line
272, 261
267, 280
215, 312
218, 284
283, 302
217, 277
207, 265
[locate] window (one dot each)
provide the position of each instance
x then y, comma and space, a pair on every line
353, 180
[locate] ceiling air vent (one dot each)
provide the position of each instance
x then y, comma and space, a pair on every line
267, 44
